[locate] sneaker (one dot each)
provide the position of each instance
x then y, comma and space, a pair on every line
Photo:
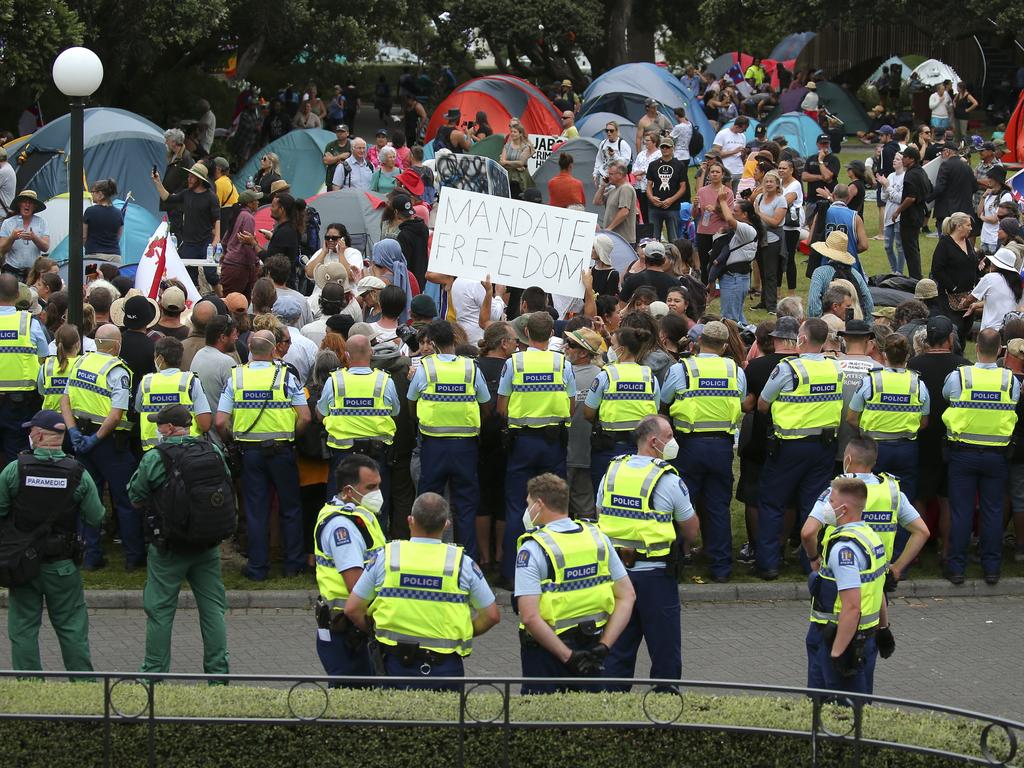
747, 555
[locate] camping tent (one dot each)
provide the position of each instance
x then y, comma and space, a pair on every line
719, 66
798, 129
584, 152
789, 47
832, 97
749, 133
904, 69
1014, 137
139, 226
502, 97
592, 125
359, 211
933, 72
490, 147
301, 152
119, 145
624, 108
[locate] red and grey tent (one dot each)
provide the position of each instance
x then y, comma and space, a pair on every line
502, 97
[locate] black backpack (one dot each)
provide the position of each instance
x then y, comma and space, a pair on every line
195, 507
228, 217
696, 145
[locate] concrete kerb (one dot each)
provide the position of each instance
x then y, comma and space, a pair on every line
753, 592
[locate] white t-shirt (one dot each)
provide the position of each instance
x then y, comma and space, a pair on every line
743, 245
939, 105
794, 188
620, 150
682, 133
728, 140
88, 345
990, 231
893, 193
643, 160
998, 298
466, 297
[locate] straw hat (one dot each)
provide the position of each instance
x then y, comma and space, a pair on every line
201, 172
835, 247
28, 195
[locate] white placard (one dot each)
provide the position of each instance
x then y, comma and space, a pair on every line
516, 243
542, 146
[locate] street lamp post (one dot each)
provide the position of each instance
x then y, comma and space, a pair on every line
77, 72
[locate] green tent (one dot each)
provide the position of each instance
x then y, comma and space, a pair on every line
489, 147
841, 103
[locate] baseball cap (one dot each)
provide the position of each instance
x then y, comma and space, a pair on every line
362, 329
823, 138
856, 328
887, 130
519, 326
369, 283
761, 130
381, 132
236, 302
926, 288
332, 293
587, 338
658, 309
176, 414
222, 163
666, 141
786, 328
249, 196
423, 306
1015, 347
402, 204
715, 331
989, 145
938, 329
567, 83
654, 250
650, 102
341, 127
173, 298
49, 420
287, 308
886, 312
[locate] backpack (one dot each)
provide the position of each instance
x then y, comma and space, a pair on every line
696, 145
312, 227
195, 507
228, 217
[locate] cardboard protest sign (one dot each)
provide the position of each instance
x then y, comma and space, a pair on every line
542, 146
516, 243
473, 173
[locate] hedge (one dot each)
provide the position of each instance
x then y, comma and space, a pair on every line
184, 745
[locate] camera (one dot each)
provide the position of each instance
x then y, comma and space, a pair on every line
408, 335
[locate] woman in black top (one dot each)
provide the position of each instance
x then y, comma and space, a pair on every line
955, 267
269, 172
102, 224
857, 173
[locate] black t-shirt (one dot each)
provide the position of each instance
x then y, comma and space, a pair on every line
137, 353
285, 239
1017, 457
179, 332
758, 371
812, 166
490, 427
201, 210
856, 202
606, 281
666, 178
933, 369
917, 186
659, 281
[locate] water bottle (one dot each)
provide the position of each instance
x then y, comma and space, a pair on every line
174, 241
249, 183
209, 253
705, 219
218, 252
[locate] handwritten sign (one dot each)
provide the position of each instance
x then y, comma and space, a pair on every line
516, 243
542, 146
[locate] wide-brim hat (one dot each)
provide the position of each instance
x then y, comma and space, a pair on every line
411, 181
835, 247
118, 306
332, 272
201, 172
30, 196
1004, 258
279, 186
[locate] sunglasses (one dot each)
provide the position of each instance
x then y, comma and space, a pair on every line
609, 130
332, 238
566, 117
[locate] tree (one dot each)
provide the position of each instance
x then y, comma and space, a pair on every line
33, 33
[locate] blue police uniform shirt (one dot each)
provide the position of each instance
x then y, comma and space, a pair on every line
532, 564
846, 560
200, 404
951, 386
323, 405
670, 493
471, 578
867, 391
678, 379
505, 383
292, 389
906, 514
342, 541
595, 395
783, 379
419, 382
119, 382
35, 330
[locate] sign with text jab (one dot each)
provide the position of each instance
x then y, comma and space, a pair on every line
516, 243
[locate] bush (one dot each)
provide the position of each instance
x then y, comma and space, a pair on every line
27, 743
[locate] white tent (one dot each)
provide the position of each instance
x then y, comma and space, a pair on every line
933, 72
904, 69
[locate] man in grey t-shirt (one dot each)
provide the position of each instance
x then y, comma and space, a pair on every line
8, 185
581, 347
619, 200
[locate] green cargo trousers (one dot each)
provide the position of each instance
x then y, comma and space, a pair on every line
60, 584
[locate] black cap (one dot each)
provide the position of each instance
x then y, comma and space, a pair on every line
340, 323
824, 137
402, 204
381, 132
177, 414
938, 329
990, 146
761, 130
48, 420
856, 328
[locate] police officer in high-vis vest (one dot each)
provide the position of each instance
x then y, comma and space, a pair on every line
358, 405
704, 396
644, 508
621, 395
572, 592
95, 409
170, 386
804, 396
22, 345
52, 381
979, 424
537, 394
890, 407
262, 408
45, 485
347, 534
849, 622
886, 511
445, 396
427, 599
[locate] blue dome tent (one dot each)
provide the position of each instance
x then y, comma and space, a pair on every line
798, 129
592, 125
301, 153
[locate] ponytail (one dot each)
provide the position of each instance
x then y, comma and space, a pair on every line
68, 342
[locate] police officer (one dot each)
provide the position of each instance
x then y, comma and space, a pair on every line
22, 345
621, 395
52, 380
537, 394
45, 485
849, 621
572, 593
428, 599
170, 386
262, 408
804, 396
886, 511
358, 405
979, 424
704, 397
643, 508
95, 408
171, 561
445, 396
346, 536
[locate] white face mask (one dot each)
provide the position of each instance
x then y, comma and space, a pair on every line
846, 467
528, 522
671, 450
372, 501
830, 516
611, 355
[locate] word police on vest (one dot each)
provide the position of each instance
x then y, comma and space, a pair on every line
420, 582
515, 242
630, 502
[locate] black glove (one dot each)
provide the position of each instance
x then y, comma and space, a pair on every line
886, 642
890, 583
597, 656
841, 664
579, 663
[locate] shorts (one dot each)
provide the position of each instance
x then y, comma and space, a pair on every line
940, 122
748, 486
932, 480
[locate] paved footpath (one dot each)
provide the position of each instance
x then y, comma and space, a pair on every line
963, 652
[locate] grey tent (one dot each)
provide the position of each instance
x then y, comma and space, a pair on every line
584, 152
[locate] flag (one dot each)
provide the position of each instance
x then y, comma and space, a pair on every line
160, 261
1016, 183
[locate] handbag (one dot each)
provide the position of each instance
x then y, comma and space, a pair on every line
959, 300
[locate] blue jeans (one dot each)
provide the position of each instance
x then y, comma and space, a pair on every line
114, 466
734, 289
705, 464
452, 462
982, 475
655, 620
659, 217
260, 470
894, 247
